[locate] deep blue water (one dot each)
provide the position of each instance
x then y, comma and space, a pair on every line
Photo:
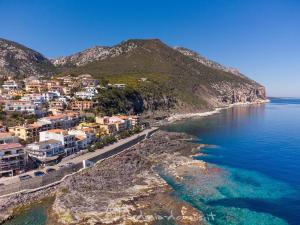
258, 148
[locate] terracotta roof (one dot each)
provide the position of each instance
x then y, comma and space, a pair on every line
19, 101
5, 134
60, 116
80, 137
9, 146
35, 125
123, 117
87, 129
57, 131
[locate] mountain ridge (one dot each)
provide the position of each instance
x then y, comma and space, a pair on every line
178, 79
19, 60
99, 52
167, 79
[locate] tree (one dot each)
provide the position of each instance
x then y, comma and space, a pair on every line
16, 97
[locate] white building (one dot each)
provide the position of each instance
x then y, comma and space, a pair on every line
23, 106
50, 95
83, 138
87, 93
84, 95
37, 99
120, 86
68, 141
62, 121
45, 151
10, 85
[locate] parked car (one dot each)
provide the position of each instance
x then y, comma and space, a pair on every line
24, 177
39, 173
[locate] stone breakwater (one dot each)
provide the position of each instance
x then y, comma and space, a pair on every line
124, 189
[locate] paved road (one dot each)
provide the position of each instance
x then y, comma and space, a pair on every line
93, 156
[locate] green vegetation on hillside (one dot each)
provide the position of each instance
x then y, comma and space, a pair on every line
168, 73
114, 101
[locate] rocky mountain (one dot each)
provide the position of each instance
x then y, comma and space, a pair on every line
20, 61
159, 78
205, 61
93, 54
170, 79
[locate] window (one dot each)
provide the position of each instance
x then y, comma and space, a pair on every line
7, 153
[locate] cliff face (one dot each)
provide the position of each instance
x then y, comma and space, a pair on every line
241, 94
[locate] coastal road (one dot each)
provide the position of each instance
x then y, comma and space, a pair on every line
97, 155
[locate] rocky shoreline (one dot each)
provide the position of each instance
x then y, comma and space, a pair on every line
124, 189
180, 116
125, 183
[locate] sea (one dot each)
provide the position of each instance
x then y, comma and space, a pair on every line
256, 150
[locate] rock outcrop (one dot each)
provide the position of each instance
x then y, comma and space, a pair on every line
240, 94
92, 54
207, 62
127, 189
19, 61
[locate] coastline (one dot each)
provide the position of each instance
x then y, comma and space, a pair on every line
150, 191
128, 182
181, 116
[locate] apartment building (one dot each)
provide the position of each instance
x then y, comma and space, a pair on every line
45, 152
63, 121
23, 106
12, 159
81, 105
88, 93
10, 85
6, 137
30, 132
134, 120
121, 123
84, 137
37, 99
68, 140
35, 87
58, 105
108, 129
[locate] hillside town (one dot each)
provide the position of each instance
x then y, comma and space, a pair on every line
46, 120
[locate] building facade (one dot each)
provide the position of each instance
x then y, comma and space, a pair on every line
6, 138
81, 105
68, 141
45, 151
23, 106
12, 159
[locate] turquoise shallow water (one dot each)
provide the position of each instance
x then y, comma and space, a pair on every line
258, 150
36, 215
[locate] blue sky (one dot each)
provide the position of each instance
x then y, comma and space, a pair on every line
260, 37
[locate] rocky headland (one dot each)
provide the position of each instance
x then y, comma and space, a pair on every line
124, 189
